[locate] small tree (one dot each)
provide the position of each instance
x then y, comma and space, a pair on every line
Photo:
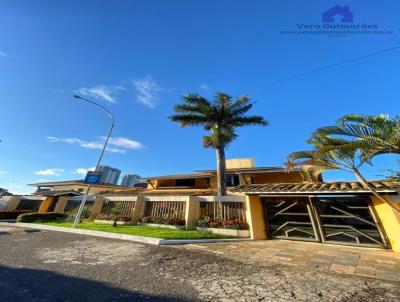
115, 211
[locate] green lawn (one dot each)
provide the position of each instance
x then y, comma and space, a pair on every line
140, 230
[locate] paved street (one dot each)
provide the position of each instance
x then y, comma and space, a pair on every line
49, 266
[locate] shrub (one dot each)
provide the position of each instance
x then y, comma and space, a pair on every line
122, 217
85, 212
32, 217
203, 223
12, 214
164, 220
233, 224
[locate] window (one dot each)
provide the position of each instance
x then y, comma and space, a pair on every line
188, 182
232, 180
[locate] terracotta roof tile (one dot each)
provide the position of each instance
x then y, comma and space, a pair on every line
317, 188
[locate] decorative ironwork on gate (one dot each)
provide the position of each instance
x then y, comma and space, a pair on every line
343, 220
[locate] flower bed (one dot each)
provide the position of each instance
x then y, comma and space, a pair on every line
231, 224
31, 217
160, 221
112, 217
230, 227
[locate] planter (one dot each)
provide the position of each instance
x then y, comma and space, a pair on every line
227, 232
166, 226
111, 221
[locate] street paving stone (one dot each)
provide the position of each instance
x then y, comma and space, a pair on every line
371, 262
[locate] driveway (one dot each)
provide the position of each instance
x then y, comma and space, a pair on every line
50, 266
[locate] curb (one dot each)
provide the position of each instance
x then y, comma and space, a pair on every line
142, 239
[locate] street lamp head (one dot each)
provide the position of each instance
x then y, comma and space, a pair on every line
77, 96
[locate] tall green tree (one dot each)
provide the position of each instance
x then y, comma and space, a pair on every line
220, 117
350, 144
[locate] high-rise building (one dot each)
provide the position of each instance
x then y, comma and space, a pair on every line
129, 180
109, 175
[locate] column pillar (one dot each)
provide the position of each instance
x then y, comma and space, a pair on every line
97, 207
192, 212
13, 203
61, 204
138, 211
46, 204
255, 217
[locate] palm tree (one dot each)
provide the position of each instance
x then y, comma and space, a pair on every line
334, 150
221, 116
372, 134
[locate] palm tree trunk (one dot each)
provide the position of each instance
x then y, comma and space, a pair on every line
366, 185
221, 176
221, 171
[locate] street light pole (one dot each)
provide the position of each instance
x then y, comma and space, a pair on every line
82, 205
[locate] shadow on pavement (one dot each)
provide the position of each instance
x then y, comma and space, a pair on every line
23, 284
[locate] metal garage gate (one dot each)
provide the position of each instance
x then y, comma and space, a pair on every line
339, 220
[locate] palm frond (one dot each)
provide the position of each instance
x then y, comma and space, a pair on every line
189, 119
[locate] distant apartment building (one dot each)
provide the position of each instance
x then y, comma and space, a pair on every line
109, 175
129, 180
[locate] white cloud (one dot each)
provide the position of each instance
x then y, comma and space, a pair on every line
147, 91
50, 172
204, 87
125, 143
102, 92
115, 144
82, 171
3, 54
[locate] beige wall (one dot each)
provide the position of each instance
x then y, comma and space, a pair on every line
237, 163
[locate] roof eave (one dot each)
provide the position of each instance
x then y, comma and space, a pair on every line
314, 192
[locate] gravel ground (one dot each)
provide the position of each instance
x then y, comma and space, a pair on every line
49, 266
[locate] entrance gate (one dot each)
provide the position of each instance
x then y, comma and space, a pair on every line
339, 220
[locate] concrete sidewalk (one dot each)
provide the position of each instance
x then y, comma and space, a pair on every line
367, 262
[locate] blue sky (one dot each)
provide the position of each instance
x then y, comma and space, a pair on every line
139, 57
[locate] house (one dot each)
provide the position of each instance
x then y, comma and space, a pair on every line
75, 186
275, 203
240, 171
344, 11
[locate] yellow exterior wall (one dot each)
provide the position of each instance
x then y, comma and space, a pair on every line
202, 183
46, 204
390, 221
284, 177
165, 183
255, 217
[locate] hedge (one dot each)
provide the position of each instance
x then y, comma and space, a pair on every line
12, 214
31, 217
